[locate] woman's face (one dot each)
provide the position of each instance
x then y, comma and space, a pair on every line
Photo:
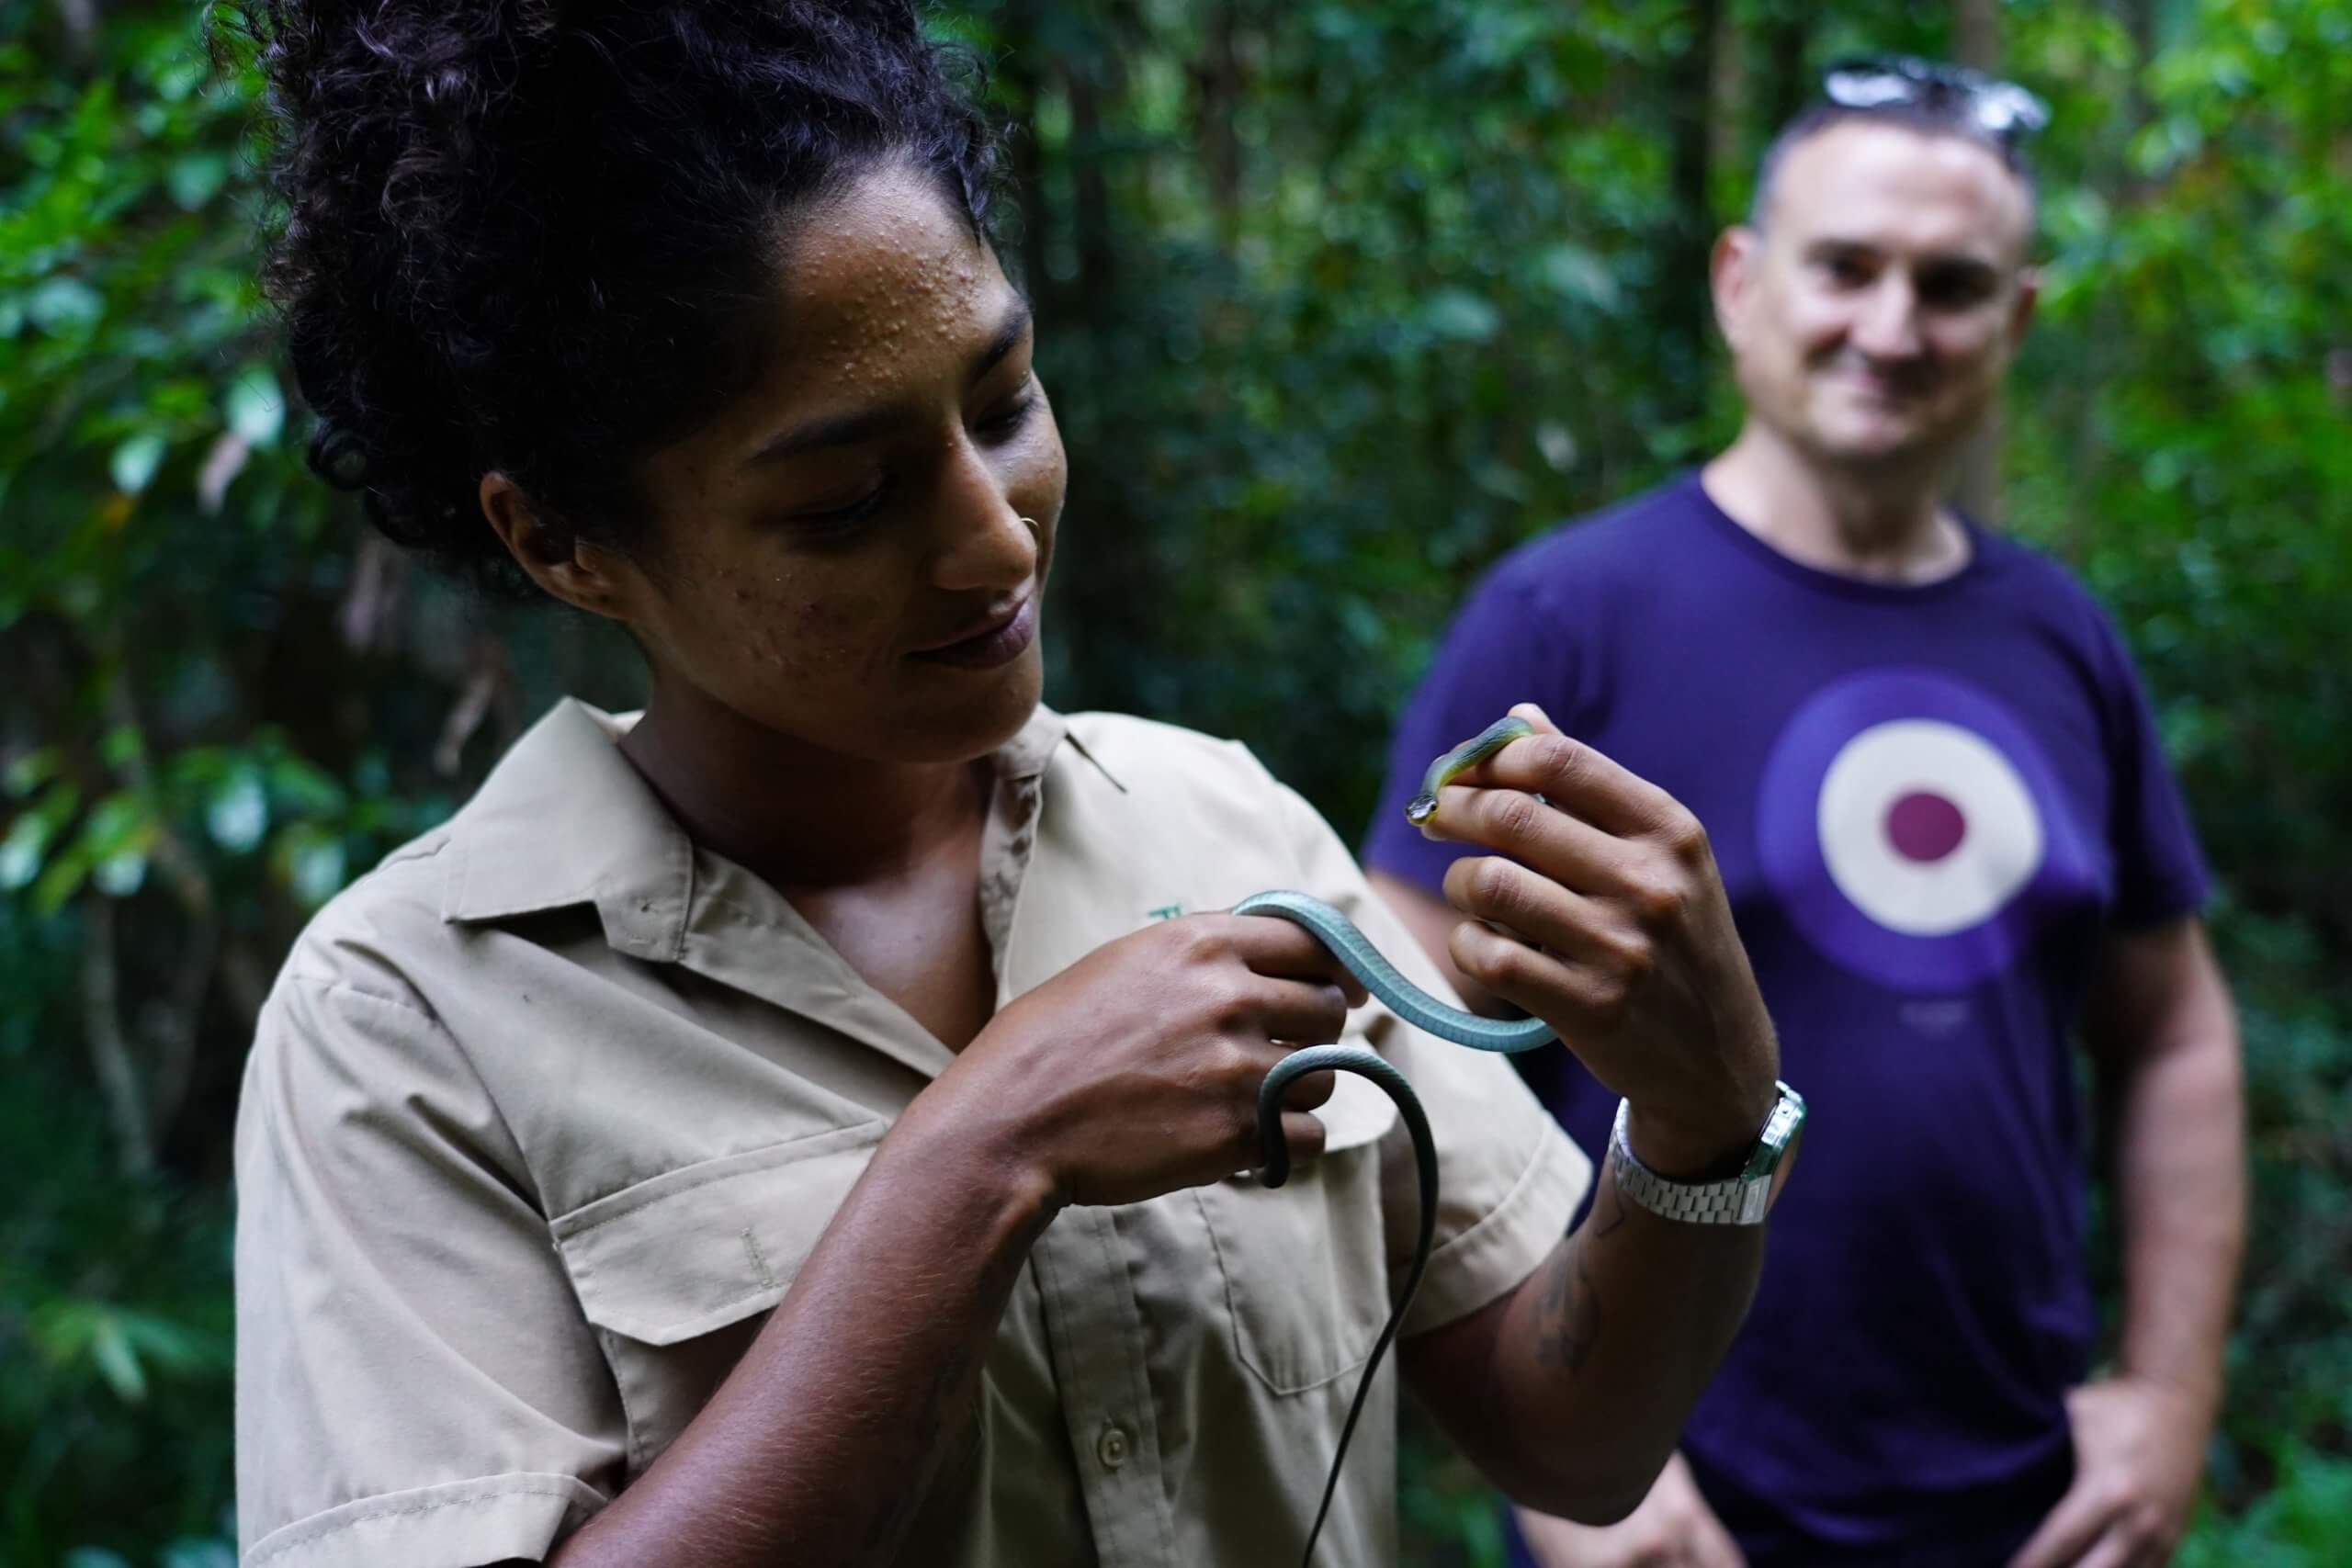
840, 554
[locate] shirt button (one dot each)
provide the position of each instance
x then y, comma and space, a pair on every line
1111, 1447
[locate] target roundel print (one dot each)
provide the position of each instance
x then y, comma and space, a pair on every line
1908, 824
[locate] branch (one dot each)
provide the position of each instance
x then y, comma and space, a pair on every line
110, 1051
174, 1024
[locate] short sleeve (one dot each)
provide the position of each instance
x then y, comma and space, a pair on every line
2159, 872
415, 1387
1509, 1180
1497, 652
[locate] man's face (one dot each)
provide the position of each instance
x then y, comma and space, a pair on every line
1872, 314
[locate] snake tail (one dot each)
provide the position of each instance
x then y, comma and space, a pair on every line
1274, 1161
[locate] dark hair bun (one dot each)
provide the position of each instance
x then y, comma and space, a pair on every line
530, 236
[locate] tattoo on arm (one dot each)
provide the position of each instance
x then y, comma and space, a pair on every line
1567, 1321
1568, 1316
1606, 1225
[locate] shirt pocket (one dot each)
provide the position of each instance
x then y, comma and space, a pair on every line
678, 1272
1303, 1265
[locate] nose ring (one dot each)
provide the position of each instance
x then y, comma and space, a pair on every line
1036, 530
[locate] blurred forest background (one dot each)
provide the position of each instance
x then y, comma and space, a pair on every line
1341, 299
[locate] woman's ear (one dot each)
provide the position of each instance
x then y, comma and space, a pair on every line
583, 575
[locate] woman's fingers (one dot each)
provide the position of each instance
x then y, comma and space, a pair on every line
1532, 906
1513, 822
1315, 1011
1559, 991
1282, 950
1578, 780
1303, 1133
1308, 1091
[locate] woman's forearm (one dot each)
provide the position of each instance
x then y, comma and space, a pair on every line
821, 1443
1573, 1392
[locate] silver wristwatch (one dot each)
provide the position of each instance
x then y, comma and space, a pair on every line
1742, 1200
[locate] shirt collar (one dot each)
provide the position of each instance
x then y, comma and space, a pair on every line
563, 819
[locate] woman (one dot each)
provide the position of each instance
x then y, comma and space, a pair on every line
847, 978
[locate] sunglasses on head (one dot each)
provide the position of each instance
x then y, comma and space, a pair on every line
1999, 110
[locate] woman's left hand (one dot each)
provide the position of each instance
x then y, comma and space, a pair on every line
1613, 928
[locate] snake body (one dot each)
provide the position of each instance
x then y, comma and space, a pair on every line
1414, 1006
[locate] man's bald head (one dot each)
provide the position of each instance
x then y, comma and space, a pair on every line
1919, 119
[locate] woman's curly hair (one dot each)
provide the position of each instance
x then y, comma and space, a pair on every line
535, 235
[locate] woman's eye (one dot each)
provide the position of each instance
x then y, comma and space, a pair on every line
1008, 419
839, 519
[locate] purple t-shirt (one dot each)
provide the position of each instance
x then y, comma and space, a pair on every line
1928, 803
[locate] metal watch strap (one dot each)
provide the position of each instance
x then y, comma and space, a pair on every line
1736, 1200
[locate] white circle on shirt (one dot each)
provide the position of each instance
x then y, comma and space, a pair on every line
1926, 827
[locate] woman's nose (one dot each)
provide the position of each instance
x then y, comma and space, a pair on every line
986, 543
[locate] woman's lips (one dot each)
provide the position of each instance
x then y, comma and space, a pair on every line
998, 644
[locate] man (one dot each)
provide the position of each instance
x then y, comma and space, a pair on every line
1937, 800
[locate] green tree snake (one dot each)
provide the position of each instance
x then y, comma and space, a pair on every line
1414, 1006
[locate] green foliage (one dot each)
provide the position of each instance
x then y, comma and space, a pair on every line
1340, 300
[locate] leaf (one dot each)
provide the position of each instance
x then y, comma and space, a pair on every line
21, 850
256, 407
135, 461
317, 869
60, 881
118, 824
1457, 313
220, 468
22, 853
64, 302
32, 770
1582, 277
238, 814
194, 1551
196, 179
304, 788
119, 876
118, 1362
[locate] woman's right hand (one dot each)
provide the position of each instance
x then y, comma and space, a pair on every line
1135, 1071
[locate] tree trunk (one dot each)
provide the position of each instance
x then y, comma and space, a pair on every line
1217, 97
1976, 480
1780, 85
1685, 309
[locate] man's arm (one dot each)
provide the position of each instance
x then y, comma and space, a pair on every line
2164, 1039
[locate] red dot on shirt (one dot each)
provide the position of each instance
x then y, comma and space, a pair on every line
1923, 826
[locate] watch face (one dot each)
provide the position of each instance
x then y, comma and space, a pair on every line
1776, 1149
1783, 1126
1787, 1163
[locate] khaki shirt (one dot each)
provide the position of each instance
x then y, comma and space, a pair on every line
545, 1111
